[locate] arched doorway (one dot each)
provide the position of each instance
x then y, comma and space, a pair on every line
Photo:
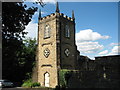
47, 79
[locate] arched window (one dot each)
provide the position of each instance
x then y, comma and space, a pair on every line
67, 31
47, 31
47, 79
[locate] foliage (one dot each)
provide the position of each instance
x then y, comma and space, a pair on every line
29, 83
64, 75
26, 57
24, 61
15, 16
35, 84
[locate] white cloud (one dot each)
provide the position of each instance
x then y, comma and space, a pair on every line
50, 1
115, 50
85, 41
89, 47
103, 52
89, 35
32, 29
37, 13
117, 44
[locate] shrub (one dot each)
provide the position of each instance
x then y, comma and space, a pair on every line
35, 84
64, 75
29, 83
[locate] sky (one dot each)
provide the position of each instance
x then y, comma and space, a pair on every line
96, 25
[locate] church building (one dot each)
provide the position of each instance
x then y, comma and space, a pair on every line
56, 47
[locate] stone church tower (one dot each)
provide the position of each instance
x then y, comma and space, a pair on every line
56, 47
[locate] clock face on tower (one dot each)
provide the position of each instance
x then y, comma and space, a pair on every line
67, 52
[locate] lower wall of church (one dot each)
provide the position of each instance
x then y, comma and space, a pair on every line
48, 77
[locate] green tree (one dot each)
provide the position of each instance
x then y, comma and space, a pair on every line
27, 56
17, 55
15, 16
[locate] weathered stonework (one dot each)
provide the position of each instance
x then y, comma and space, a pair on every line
51, 55
49, 43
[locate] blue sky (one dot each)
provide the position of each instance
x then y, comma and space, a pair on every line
96, 25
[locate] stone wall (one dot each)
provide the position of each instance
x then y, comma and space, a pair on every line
104, 72
47, 64
56, 44
93, 79
67, 62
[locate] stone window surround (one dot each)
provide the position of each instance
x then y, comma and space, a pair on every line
47, 31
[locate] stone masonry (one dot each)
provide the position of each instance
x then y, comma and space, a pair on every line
56, 47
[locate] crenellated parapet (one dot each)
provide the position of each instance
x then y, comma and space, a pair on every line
53, 15
57, 14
